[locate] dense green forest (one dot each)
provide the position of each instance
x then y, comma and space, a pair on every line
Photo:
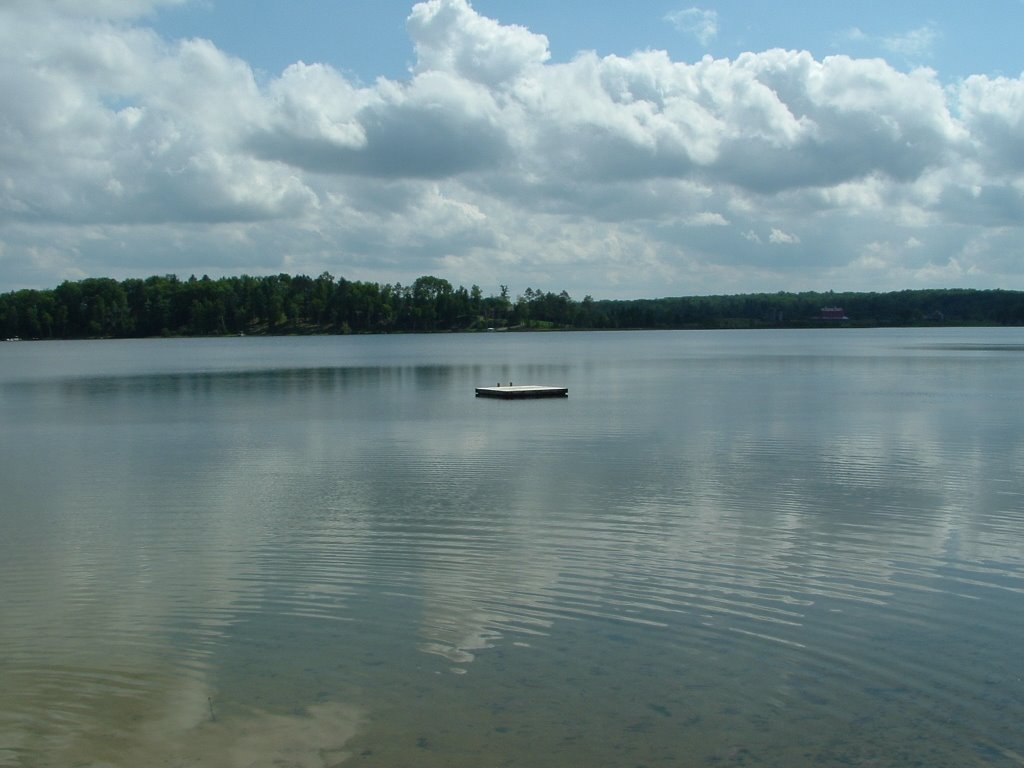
283, 304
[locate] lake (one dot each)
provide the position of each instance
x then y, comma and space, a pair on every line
724, 548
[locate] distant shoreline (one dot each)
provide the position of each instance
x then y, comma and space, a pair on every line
283, 305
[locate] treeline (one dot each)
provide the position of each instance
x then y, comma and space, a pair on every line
283, 304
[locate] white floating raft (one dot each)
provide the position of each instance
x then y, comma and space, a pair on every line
522, 391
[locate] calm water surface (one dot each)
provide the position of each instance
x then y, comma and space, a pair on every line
724, 548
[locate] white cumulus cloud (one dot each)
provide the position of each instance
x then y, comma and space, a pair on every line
915, 44
699, 22
123, 153
779, 237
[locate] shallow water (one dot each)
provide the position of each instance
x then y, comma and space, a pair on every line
724, 548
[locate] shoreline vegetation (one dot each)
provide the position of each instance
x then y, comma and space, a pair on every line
300, 305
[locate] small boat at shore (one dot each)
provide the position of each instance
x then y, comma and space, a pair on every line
521, 392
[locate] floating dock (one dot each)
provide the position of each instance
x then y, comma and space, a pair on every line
521, 392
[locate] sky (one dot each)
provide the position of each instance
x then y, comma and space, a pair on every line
617, 150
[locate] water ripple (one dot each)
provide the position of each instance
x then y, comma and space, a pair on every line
811, 557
